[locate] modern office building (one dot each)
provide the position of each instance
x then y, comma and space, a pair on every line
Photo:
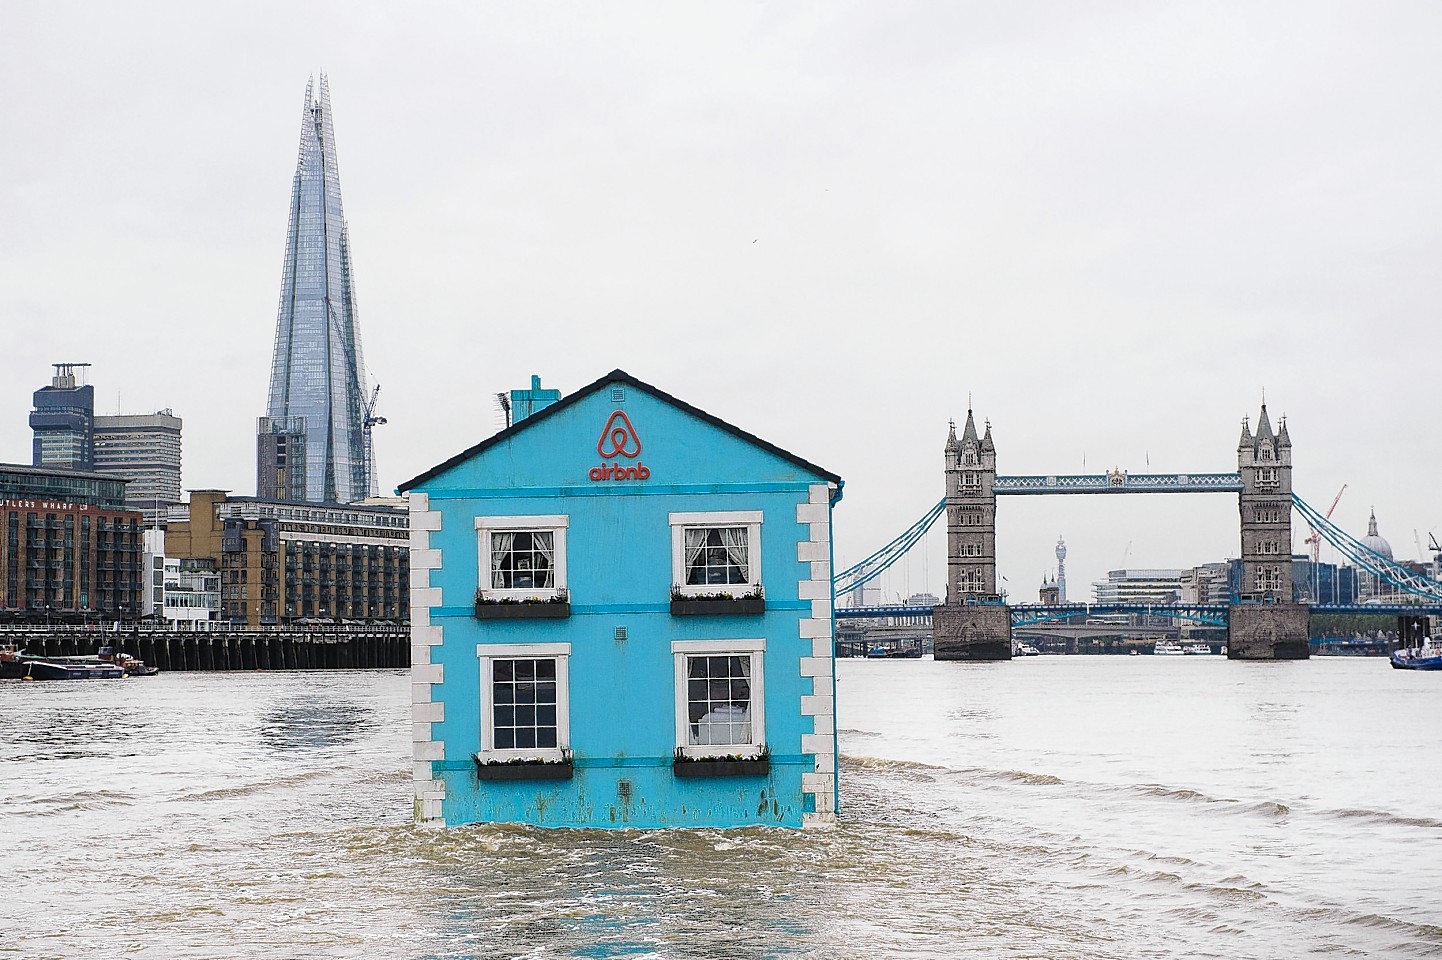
1209, 582
63, 421
72, 552
1138, 586
144, 449
313, 443
281, 562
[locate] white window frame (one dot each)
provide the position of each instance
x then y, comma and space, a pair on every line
555, 524
487, 654
756, 650
681, 522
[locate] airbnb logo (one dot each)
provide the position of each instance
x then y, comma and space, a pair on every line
619, 439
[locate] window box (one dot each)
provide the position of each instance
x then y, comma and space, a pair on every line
522, 610
721, 767
525, 769
717, 606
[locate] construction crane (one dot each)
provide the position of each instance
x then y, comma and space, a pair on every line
1316, 538
372, 420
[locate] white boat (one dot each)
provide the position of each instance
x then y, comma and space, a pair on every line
1197, 650
1168, 648
1023, 649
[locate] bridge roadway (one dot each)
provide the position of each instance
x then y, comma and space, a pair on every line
1119, 482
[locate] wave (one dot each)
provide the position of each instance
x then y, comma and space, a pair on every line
885, 763
1382, 816
1270, 808
1018, 776
84, 800
260, 786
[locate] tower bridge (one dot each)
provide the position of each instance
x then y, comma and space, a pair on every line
1263, 620
1264, 624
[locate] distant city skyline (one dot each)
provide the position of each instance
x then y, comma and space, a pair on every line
1112, 227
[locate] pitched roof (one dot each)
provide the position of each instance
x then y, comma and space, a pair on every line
615, 376
1264, 425
969, 431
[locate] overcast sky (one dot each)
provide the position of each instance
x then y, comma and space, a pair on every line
1113, 225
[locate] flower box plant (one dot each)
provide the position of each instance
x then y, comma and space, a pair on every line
685, 604
735, 765
526, 768
557, 607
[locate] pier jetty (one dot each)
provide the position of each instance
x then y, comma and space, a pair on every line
339, 646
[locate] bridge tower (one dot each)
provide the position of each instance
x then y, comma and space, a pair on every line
973, 623
1264, 622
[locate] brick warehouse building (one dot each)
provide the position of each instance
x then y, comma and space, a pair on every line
71, 552
286, 561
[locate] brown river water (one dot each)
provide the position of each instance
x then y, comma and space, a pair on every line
1054, 807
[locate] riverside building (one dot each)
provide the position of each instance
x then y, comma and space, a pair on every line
72, 552
283, 562
622, 617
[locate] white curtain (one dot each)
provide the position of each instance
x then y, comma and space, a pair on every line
501, 544
695, 543
734, 540
541, 540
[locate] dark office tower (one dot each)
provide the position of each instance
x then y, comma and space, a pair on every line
64, 421
312, 442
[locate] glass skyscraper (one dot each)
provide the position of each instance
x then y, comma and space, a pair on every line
313, 443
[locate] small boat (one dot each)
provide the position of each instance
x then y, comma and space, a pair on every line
1197, 650
131, 666
1168, 648
70, 668
1023, 649
12, 662
1426, 657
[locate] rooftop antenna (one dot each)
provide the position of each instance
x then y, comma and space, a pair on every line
65, 374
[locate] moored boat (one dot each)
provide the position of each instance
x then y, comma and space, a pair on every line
70, 668
1168, 648
1426, 657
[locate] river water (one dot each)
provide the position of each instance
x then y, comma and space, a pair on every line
1089, 807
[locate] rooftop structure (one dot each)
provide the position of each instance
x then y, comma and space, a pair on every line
313, 442
63, 421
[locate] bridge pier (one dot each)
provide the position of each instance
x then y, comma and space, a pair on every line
1268, 631
971, 631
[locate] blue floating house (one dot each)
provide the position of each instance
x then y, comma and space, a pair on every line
622, 617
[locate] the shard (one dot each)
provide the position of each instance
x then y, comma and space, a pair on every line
313, 444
